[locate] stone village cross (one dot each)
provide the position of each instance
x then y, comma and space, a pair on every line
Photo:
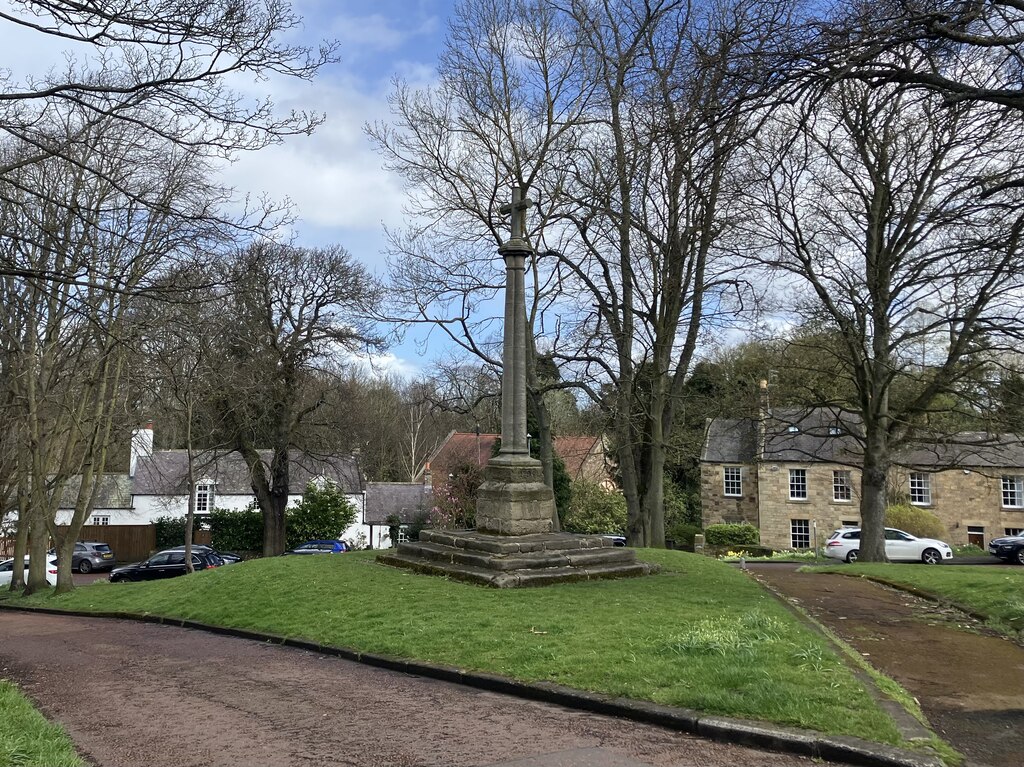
512, 545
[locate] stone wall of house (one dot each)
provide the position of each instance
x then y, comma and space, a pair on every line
822, 512
717, 507
969, 500
966, 501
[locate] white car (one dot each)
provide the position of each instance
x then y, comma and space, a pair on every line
7, 571
844, 544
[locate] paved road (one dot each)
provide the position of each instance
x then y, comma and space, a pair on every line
137, 694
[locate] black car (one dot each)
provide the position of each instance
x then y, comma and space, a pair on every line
1010, 548
164, 564
226, 557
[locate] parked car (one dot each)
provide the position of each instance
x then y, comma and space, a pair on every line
320, 547
164, 564
1009, 548
617, 540
226, 557
899, 546
7, 571
92, 555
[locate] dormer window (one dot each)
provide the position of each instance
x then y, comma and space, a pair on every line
793, 429
835, 431
204, 497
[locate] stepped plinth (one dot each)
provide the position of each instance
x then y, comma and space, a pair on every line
515, 561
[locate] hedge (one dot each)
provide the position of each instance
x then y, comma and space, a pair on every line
731, 535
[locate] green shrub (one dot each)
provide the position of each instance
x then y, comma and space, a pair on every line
916, 521
237, 530
682, 534
594, 510
419, 522
170, 532
324, 512
682, 507
731, 535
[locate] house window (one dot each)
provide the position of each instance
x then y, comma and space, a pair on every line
1013, 531
403, 535
921, 489
1013, 492
733, 481
100, 519
800, 533
204, 498
842, 489
798, 484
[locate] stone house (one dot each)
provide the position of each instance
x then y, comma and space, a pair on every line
795, 475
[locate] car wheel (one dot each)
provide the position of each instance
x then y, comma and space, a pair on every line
852, 556
85, 566
931, 557
1019, 556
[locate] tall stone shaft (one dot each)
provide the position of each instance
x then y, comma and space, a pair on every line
513, 499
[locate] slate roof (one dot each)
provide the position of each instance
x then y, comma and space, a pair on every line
164, 472
823, 435
115, 492
404, 499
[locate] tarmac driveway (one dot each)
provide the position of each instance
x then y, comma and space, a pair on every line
137, 694
968, 680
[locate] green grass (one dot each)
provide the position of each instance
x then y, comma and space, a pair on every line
995, 592
26, 738
698, 635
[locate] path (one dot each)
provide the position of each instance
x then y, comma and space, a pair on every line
135, 694
970, 683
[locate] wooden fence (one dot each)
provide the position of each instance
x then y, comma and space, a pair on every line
130, 543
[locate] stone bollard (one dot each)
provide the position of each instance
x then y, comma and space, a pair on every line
698, 543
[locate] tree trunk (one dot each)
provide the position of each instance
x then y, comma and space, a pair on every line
873, 499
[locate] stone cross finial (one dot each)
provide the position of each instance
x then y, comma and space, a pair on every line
517, 208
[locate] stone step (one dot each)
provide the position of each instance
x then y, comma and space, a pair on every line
514, 544
513, 578
531, 560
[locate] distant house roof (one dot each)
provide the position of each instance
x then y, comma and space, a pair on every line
461, 448
583, 457
406, 500
114, 492
165, 472
823, 435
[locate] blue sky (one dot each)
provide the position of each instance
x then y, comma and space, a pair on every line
334, 178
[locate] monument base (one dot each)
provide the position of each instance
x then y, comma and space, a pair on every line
514, 499
516, 561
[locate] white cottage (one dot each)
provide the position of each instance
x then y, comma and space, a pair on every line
157, 484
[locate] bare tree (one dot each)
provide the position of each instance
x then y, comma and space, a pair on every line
289, 311
160, 68
961, 50
889, 214
82, 248
622, 121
